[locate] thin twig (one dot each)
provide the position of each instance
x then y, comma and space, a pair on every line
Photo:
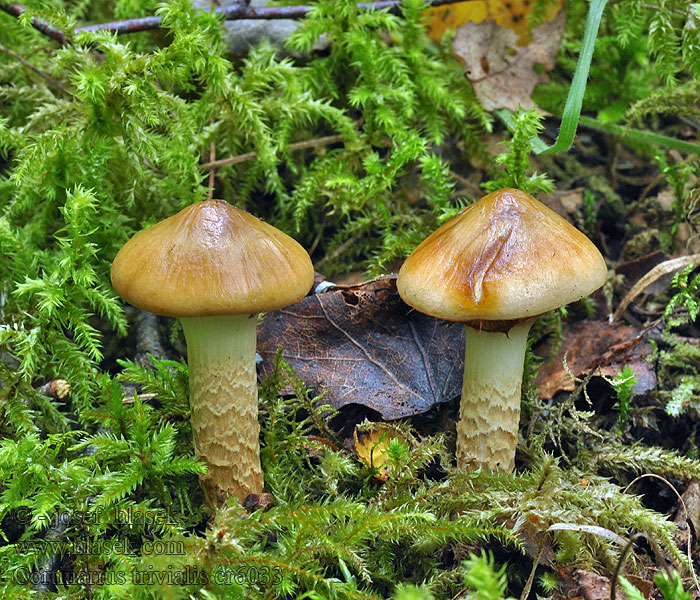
50, 80
229, 12
687, 518
645, 192
319, 235
232, 12
620, 563
16, 10
234, 160
538, 555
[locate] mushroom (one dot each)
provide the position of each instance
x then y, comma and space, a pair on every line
215, 267
496, 266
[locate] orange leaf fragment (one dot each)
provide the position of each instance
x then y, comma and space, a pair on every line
371, 447
507, 13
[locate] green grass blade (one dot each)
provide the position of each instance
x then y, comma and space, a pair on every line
572, 109
637, 136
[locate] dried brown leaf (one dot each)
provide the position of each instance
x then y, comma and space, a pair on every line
597, 344
363, 345
502, 72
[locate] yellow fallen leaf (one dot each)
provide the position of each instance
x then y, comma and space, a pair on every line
451, 16
371, 447
507, 13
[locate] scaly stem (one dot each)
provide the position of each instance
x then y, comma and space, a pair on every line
489, 412
224, 404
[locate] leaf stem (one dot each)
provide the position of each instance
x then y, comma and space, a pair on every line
233, 160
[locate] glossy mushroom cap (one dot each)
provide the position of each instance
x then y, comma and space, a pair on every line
211, 259
505, 257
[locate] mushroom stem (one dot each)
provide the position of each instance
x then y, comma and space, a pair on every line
224, 404
489, 411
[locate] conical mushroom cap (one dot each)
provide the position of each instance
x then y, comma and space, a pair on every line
505, 257
211, 259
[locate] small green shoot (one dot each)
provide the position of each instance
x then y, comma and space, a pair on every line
671, 587
686, 296
525, 125
683, 395
623, 384
484, 581
549, 582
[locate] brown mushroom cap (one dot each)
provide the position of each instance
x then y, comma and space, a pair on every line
211, 259
505, 257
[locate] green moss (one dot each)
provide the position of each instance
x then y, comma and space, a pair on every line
112, 137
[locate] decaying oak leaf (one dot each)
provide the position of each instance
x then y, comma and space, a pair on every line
371, 446
589, 344
507, 13
363, 345
503, 73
